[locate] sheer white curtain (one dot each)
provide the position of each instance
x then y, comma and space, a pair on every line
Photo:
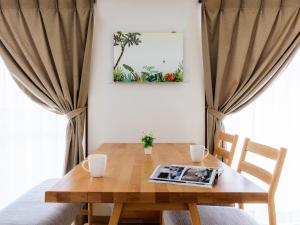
32, 141
274, 119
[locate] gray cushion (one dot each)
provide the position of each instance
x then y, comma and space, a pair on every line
31, 209
211, 215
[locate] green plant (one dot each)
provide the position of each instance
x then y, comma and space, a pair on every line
127, 77
160, 77
150, 74
125, 39
147, 140
179, 73
143, 77
131, 76
129, 68
150, 69
118, 74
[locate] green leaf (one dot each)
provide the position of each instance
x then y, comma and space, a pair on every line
129, 68
179, 73
147, 140
118, 74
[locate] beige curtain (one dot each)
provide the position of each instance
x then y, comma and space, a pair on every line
47, 48
245, 45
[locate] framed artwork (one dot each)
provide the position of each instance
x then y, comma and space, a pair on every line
148, 57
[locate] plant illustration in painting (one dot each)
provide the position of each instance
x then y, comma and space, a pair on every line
148, 57
123, 40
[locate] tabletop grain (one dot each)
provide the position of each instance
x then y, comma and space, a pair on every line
128, 172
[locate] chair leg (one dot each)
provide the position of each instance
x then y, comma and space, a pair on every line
272, 212
195, 217
90, 213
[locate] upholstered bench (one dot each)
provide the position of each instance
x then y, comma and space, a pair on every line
31, 209
210, 215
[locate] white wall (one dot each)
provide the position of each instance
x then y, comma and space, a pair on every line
174, 112
122, 112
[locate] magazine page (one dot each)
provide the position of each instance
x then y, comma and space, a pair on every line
199, 175
188, 175
168, 173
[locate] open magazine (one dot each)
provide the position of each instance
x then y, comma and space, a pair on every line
188, 175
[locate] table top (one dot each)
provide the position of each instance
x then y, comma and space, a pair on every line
128, 171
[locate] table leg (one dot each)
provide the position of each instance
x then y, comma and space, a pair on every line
195, 217
161, 219
116, 214
241, 205
90, 213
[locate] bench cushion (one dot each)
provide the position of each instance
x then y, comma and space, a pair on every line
31, 209
211, 215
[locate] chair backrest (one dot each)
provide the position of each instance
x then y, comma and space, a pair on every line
220, 151
271, 179
278, 155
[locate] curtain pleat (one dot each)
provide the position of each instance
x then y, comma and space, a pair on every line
47, 48
245, 46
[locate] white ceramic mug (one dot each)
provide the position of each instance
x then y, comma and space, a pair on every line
198, 152
97, 164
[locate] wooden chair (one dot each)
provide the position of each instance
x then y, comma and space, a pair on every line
227, 156
271, 179
220, 215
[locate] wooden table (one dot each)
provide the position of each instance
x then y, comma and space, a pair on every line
126, 183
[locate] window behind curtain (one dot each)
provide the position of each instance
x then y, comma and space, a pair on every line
274, 119
32, 141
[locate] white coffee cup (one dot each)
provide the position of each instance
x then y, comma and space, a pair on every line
97, 164
198, 152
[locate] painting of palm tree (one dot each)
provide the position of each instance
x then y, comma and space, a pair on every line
148, 57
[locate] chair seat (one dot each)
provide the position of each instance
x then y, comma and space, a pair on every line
31, 209
211, 215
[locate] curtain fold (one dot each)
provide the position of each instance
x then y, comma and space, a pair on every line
47, 47
245, 46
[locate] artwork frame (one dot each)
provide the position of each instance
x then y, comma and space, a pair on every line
148, 57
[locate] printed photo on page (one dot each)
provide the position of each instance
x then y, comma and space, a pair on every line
188, 175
